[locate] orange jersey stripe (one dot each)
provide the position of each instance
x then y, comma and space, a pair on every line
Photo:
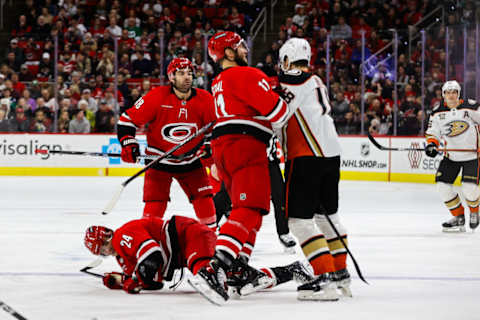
300, 140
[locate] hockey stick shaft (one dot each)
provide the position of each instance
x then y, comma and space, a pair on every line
357, 267
92, 273
379, 146
87, 153
119, 191
92, 265
11, 311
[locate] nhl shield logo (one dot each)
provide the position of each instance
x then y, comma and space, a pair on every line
365, 150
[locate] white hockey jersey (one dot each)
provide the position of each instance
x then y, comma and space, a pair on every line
310, 131
457, 127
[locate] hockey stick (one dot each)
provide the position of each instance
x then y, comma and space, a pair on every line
87, 153
379, 146
11, 311
357, 267
92, 265
119, 191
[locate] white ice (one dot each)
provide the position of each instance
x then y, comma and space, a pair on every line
415, 271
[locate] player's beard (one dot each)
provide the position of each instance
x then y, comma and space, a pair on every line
240, 61
183, 88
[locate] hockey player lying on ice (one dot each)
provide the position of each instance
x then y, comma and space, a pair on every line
150, 250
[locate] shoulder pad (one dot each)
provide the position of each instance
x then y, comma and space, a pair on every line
296, 78
439, 107
469, 104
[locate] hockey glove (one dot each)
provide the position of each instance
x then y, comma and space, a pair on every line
431, 150
131, 286
113, 280
130, 149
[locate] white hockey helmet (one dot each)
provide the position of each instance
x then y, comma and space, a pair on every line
295, 49
450, 86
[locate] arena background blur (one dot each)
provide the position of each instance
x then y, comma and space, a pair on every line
68, 62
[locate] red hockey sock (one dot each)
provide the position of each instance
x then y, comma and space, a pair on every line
205, 211
154, 209
247, 249
235, 232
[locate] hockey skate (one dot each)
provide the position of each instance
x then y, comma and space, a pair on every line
210, 282
456, 224
245, 280
342, 280
299, 272
322, 288
473, 220
288, 243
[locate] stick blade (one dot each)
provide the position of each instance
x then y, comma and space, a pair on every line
95, 263
109, 207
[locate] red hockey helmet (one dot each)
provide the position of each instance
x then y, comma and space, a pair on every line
221, 41
178, 64
95, 237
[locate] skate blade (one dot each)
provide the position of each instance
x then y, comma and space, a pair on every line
234, 293
264, 282
454, 229
322, 295
346, 292
201, 286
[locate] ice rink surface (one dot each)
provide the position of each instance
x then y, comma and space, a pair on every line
415, 271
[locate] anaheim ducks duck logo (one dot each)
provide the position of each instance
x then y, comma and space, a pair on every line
178, 132
456, 128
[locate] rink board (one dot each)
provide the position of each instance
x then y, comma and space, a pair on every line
360, 159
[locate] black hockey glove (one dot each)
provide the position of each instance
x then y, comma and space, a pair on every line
431, 150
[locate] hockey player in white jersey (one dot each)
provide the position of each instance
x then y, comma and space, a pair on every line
455, 121
312, 173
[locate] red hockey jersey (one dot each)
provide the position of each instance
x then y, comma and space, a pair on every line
246, 104
170, 120
137, 239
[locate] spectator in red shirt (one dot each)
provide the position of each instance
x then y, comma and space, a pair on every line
289, 27
16, 84
22, 29
25, 74
237, 19
167, 16
97, 29
357, 29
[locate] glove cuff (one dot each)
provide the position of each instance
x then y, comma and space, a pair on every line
128, 140
434, 141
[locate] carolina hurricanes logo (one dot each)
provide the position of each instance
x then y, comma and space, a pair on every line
178, 132
456, 128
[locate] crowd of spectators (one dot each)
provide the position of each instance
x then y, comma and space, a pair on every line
344, 22
92, 35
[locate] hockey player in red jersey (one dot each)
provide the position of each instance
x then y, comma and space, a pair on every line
173, 113
246, 109
149, 251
